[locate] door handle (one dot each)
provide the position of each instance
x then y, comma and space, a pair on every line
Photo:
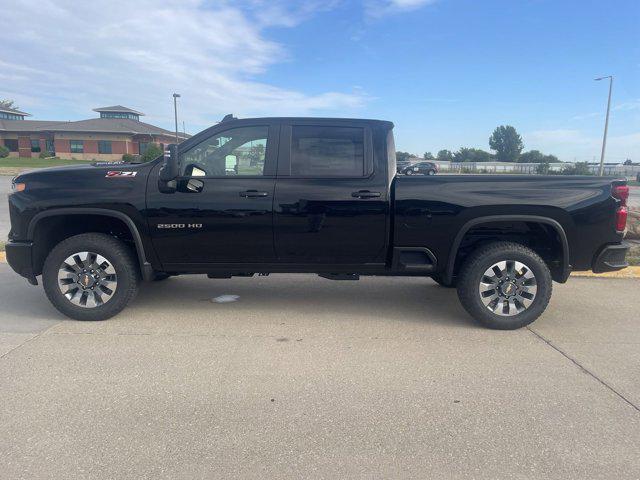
366, 194
253, 194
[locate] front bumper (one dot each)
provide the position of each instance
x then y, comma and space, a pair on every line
611, 258
19, 257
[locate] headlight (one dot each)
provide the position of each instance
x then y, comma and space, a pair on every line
17, 187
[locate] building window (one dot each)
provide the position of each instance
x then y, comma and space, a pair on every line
131, 116
11, 144
50, 146
142, 147
35, 145
77, 146
11, 116
104, 146
327, 151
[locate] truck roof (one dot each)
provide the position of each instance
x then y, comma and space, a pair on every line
333, 120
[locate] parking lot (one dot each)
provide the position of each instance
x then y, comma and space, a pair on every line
303, 377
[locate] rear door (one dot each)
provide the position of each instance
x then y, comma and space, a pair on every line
331, 199
223, 209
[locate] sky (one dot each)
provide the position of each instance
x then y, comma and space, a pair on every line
446, 72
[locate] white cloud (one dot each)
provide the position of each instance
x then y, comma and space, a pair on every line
572, 144
74, 56
380, 8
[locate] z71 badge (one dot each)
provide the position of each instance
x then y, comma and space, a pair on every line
116, 173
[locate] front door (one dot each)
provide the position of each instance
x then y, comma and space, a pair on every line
223, 209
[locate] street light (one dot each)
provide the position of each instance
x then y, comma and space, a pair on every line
606, 122
175, 112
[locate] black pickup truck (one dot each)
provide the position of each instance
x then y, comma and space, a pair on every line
308, 195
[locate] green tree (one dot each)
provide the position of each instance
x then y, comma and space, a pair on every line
472, 155
445, 156
536, 156
152, 151
8, 104
507, 143
428, 156
4, 151
402, 156
628, 162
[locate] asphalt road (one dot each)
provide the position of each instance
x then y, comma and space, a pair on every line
303, 377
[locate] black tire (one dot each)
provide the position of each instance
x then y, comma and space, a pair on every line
408, 172
472, 272
440, 281
431, 172
121, 259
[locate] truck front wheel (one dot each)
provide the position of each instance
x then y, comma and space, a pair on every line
91, 276
504, 285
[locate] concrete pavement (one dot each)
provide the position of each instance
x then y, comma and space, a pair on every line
307, 378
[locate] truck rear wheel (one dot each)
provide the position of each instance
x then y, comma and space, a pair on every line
91, 276
504, 285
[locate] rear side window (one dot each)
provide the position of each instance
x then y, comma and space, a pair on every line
318, 151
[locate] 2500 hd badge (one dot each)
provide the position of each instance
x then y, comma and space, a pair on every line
179, 225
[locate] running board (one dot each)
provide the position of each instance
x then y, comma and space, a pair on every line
340, 276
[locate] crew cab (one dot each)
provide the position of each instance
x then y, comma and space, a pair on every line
308, 195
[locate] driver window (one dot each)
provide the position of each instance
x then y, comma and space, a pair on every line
234, 152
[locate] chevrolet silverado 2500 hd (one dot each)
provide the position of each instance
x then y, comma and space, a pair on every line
308, 195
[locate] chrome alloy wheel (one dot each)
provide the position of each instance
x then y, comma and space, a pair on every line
508, 288
87, 279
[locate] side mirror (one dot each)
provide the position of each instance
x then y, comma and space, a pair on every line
169, 170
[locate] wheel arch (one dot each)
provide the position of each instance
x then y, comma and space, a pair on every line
564, 271
145, 267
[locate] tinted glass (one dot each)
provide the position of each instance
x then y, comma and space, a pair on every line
239, 151
327, 151
11, 144
77, 146
104, 146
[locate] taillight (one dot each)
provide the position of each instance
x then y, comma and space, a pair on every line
621, 219
621, 192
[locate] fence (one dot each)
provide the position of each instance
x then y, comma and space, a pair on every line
530, 168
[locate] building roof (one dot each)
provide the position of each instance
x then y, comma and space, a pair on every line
117, 108
26, 125
93, 125
14, 111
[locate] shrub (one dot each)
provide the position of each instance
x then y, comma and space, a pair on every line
4, 151
633, 224
46, 155
579, 168
129, 158
153, 151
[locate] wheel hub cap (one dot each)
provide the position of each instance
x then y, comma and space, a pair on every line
87, 279
508, 288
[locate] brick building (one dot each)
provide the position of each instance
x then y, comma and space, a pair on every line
117, 131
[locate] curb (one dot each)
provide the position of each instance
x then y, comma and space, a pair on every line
629, 272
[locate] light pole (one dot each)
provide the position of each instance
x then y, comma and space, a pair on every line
606, 122
175, 112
